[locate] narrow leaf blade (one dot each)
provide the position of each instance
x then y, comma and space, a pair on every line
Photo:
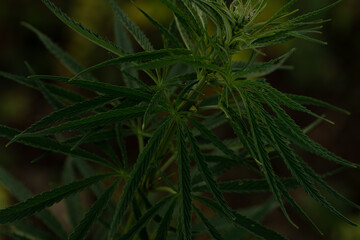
77, 27
136, 176
184, 183
46, 199
84, 227
132, 27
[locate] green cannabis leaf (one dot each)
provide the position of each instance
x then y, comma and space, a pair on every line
160, 99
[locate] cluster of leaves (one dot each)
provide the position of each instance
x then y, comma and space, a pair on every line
173, 121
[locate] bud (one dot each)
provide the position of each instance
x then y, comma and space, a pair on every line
241, 12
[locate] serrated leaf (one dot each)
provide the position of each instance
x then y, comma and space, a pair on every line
194, 61
270, 41
314, 13
53, 146
60, 54
50, 98
174, 78
211, 229
21, 193
136, 57
88, 34
67, 113
62, 93
184, 182
171, 38
181, 72
122, 39
248, 186
98, 137
100, 119
220, 17
121, 143
148, 215
155, 100
104, 88
281, 98
182, 18
207, 175
86, 171
257, 213
135, 80
262, 155
304, 100
162, 231
319, 181
296, 168
212, 122
148, 205
192, 13
73, 204
136, 175
108, 149
279, 12
143, 234
304, 37
240, 129
185, 90
46, 199
263, 69
215, 12
292, 202
216, 141
184, 36
132, 27
82, 230
158, 63
249, 225
222, 165
294, 133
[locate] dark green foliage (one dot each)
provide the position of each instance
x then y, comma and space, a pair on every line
184, 183
137, 174
82, 230
46, 199
164, 226
178, 153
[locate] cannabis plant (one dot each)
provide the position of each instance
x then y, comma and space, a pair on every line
170, 100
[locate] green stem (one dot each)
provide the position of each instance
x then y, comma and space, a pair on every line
137, 128
130, 222
168, 163
141, 143
184, 106
210, 107
165, 189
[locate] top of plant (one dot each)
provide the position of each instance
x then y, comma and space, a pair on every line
173, 125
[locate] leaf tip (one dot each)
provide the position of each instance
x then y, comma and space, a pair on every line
25, 24
11, 141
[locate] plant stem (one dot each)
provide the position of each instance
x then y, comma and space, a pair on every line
168, 163
184, 106
165, 189
140, 137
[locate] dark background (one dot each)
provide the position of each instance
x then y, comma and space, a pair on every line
328, 73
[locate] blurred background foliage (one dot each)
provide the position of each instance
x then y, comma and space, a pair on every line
328, 73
